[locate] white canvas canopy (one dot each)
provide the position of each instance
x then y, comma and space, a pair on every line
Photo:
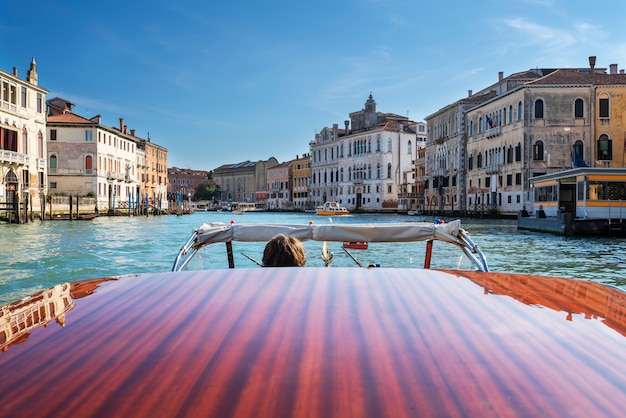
451, 232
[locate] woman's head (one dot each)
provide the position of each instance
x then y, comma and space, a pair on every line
284, 251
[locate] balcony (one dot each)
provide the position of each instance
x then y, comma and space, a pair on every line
493, 168
14, 157
489, 133
71, 172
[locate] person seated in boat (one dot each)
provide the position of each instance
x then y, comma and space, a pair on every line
284, 251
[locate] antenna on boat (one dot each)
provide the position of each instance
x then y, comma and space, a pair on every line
252, 259
356, 260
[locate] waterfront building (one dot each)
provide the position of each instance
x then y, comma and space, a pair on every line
411, 191
183, 182
364, 166
153, 173
86, 157
244, 182
279, 187
300, 180
444, 170
530, 124
23, 171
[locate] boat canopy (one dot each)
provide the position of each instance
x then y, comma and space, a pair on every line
450, 232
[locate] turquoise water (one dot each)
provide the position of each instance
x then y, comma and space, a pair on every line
38, 255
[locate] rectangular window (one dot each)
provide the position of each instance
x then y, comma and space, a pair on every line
509, 180
53, 184
518, 178
24, 97
14, 94
53, 134
603, 108
39, 103
88, 136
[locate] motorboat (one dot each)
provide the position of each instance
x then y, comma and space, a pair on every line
413, 212
331, 209
355, 245
317, 341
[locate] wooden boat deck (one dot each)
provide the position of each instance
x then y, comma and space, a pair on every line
324, 342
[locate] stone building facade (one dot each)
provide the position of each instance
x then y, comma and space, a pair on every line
300, 181
279, 187
23, 171
244, 182
87, 157
365, 165
529, 124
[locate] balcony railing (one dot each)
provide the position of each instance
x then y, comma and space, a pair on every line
14, 157
493, 132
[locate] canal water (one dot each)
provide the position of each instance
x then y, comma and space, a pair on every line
39, 255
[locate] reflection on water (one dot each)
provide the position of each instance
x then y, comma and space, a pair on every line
40, 255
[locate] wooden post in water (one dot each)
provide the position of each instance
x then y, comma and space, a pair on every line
71, 201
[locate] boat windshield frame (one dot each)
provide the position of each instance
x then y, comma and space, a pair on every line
451, 233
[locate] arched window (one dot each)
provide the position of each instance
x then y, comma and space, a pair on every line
518, 152
504, 116
605, 148
409, 148
604, 110
88, 164
389, 170
479, 160
53, 161
378, 145
480, 125
510, 113
538, 151
378, 171
40, 144
579, 158
519, 110
471, 128
578, 108
389, 145
24, 141
538, 109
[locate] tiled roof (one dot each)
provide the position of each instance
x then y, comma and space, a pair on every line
69, 117
572, 76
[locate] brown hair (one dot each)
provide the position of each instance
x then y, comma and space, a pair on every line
284, 251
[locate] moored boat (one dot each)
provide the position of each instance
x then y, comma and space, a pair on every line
331, 209
289, 341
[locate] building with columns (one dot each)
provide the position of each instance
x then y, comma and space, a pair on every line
244, 182
529, 124
23, 171
368, 163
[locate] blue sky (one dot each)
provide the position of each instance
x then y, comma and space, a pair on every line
223, 82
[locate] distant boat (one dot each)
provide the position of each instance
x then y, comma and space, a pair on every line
413, 212
358, 245
331, 209
90, 217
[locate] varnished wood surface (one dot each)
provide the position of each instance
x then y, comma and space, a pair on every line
324, 342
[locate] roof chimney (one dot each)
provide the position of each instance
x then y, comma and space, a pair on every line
500, 75
469, 93
132, 132
613, 69
15, 71
121, 124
